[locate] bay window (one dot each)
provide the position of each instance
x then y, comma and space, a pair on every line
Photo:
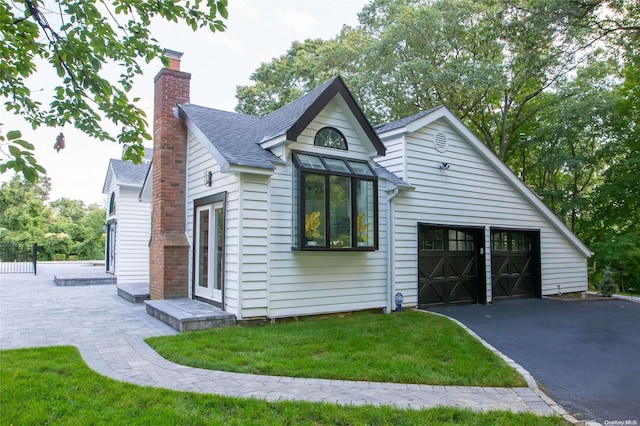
335, 204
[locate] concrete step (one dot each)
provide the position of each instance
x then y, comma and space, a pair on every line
73, 280
188, 314
134, 293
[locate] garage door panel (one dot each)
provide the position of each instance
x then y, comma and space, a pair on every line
447, 266
514, 261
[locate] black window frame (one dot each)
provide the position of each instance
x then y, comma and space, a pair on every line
510, 241
299, 201
112, 204
330, 129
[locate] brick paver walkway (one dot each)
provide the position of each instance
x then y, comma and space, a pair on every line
109, 333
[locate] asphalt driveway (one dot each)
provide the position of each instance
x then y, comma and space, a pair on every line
584, 354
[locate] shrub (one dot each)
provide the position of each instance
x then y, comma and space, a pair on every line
607, 285
59, 256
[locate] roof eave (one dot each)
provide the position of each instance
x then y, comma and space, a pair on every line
200, 136
107, 179
272, 142
146, 191
237, 169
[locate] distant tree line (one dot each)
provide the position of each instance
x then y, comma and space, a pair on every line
552, 87
61, 227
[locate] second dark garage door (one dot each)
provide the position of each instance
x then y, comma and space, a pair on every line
449, 266
515, 265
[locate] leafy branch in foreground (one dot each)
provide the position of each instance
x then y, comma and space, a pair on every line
79, 39
20, 156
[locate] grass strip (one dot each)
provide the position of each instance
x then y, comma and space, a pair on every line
410, 347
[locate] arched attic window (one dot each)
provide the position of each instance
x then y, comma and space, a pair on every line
330, 137
112, 204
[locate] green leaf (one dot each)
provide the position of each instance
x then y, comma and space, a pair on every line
14, 134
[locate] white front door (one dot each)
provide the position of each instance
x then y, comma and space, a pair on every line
209, 261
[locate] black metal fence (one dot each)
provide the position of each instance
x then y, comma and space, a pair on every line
18, 258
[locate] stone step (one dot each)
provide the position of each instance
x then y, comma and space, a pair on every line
188, 314
65, 280
134, 293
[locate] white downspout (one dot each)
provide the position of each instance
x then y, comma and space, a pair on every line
391, 194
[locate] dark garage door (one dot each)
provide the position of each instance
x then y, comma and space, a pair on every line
515, 270
448, 266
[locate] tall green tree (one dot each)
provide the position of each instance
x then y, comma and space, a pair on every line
557, 153
63, 226
79, 40
24, 216
614, 226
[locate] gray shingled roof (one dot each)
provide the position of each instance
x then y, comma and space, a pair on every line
385, 127
281, 120
391, 177
126, 172
237, 137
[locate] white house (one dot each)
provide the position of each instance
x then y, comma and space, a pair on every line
310, 210
128, 230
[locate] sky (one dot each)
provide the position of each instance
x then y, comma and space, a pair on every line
257, 31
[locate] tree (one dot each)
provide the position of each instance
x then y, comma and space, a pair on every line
489, 62
81, 40
614, 230
302, 68
64, 226
92, 243
556, 153
23, 213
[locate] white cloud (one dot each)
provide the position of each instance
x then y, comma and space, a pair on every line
298, 21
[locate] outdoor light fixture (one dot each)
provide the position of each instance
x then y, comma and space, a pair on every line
208, 178
444, 165
399, 298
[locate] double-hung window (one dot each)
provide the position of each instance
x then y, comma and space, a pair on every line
335, 204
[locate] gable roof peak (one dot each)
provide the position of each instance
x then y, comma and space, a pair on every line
238, 137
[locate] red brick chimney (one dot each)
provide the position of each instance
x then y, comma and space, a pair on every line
169, 248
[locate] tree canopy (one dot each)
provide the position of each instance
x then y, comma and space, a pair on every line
81, 40
62, 226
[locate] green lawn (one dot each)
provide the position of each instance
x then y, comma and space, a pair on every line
54, 386
411, 347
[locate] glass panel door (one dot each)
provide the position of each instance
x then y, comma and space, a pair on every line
202, 287
209, 264
219, 252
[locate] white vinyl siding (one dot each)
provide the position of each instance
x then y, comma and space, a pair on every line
333, 116
305, 283
200, 160
470, 193
254, 226
133, 230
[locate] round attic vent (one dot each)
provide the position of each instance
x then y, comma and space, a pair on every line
440, 142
